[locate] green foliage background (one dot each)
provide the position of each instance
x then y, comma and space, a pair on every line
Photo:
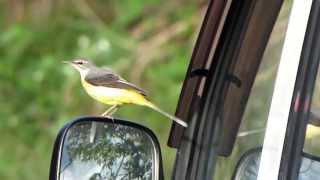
148, 42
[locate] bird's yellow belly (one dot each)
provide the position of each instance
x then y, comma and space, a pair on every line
113, 96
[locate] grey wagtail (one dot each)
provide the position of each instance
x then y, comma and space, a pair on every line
109, 88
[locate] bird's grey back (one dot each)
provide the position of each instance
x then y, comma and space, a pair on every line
107, 78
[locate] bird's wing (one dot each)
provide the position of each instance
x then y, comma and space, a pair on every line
107, 78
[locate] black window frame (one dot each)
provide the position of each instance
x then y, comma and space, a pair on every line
248, 24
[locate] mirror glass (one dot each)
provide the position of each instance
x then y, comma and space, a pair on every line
247, 168
98, 150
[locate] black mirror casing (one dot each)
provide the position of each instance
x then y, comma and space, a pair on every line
157, 169
248, 166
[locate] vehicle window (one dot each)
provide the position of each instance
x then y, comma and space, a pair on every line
253, 124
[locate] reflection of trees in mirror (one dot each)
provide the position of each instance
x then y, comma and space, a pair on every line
118, 152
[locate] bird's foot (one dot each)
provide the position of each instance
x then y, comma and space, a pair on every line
108, 116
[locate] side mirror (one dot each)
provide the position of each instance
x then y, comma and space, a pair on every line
96, 148
248, 166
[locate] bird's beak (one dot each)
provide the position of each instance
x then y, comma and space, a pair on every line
66, 62
75, 66
70, 63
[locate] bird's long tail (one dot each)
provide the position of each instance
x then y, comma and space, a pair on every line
156, 108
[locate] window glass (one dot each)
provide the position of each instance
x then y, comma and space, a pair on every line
253, 124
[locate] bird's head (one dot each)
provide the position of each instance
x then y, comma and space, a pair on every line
82, 65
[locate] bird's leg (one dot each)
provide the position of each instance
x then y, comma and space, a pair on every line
106, 113
112, 112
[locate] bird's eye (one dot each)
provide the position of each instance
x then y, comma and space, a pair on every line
78, 62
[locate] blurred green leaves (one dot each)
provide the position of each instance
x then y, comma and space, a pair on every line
149, 43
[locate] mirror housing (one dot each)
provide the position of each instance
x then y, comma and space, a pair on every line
92, 143
248, 166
